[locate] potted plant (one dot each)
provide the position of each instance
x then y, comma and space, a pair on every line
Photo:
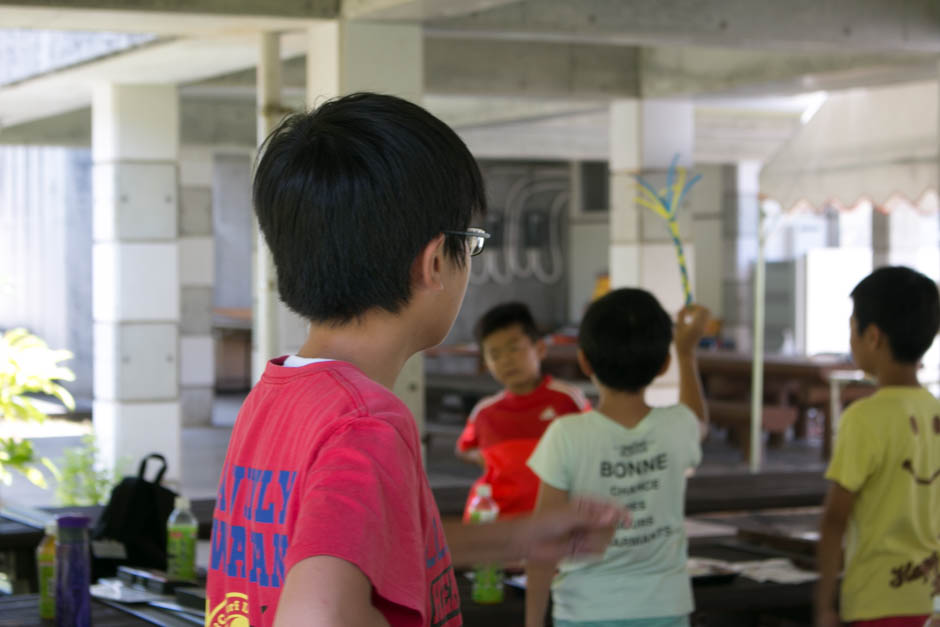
82, 479
28, 367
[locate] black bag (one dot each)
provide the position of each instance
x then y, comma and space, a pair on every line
132, 528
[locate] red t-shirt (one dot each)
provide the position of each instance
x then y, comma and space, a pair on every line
506, 428
325, 461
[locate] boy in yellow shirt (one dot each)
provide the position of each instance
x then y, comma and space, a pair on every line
885, 472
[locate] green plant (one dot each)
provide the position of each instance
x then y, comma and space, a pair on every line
82, 479
28, 366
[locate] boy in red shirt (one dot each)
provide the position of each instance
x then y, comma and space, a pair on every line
504, 429
324, 515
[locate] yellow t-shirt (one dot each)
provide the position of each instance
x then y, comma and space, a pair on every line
888, 453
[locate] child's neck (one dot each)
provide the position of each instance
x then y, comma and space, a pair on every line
626, 408
525, 388
896, 374
376, 343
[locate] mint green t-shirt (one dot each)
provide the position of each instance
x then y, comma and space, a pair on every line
643, 572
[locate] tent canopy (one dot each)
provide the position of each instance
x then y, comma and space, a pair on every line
866, 145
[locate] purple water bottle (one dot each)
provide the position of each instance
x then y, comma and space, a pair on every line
73, 573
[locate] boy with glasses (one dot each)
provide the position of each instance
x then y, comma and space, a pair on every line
324, 515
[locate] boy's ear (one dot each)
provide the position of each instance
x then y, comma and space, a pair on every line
585, 364
873, 336
541, 348
666, 363
428, 267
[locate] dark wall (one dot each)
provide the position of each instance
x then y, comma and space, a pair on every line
526, 260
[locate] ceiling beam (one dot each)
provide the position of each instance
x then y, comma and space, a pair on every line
416, 10
177, 61
268, 8
511, 68
457, 66
900, 25
167, 24
72, 128
669, 72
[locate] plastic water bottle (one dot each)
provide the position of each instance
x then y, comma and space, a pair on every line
934, 620
45, 570
72, 573
487, 578
181, 530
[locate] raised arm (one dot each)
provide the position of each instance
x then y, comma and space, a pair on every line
690, 326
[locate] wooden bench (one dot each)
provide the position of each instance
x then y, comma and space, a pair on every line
736, 417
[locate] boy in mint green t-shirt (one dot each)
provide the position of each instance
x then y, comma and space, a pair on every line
630, 452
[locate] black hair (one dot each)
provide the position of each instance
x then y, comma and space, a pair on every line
625, 336
904, 304
504, 316
347, 196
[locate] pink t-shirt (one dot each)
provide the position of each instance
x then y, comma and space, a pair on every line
325, 461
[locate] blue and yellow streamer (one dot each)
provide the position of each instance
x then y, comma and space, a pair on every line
665, 204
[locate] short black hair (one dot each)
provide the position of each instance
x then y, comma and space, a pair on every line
347, 196
625, 336
904, 304
504, 316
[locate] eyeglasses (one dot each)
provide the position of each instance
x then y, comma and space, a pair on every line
476, 237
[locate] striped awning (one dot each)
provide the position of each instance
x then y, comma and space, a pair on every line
876, 146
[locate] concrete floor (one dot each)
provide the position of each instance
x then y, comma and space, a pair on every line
204, 452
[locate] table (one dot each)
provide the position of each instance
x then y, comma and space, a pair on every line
739, 602
704, 494
18, 540
792, 530
839, 379
795, 381
709, 493
22, 610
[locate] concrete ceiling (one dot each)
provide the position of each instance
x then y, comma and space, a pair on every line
495, 66
177, 61
213, 17
166, 17
164, 23
794, 25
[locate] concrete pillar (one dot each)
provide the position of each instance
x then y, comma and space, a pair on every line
725, 211
740, 218
197, 277
645, 135
707, 204
345, 57
136, 255
265, 317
